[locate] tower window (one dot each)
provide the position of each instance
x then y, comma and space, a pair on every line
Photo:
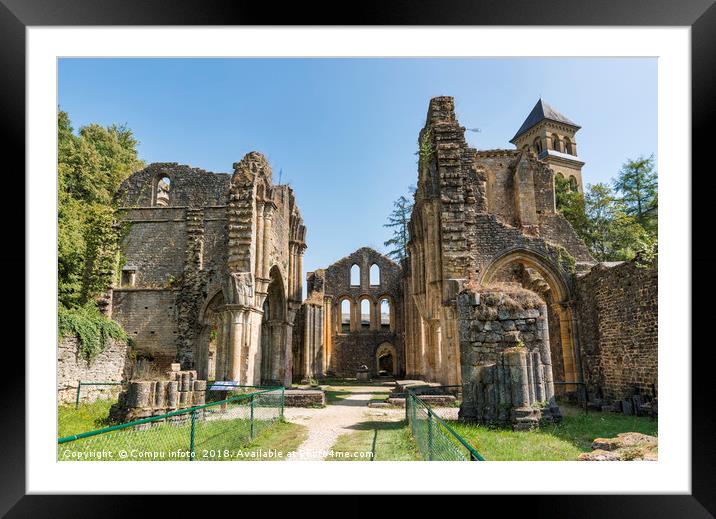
573, 183
555, 142
355, 276
568, 146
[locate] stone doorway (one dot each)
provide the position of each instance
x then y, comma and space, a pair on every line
386, 360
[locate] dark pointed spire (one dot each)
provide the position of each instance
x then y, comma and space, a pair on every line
542, 110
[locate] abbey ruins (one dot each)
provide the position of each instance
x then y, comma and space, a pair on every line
497, 293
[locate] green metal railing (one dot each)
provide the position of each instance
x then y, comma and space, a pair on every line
436, 440
210, 432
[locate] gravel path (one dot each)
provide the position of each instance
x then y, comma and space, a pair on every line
326, 424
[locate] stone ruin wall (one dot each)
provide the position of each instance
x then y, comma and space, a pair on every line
181, 254
110, 365
148, 315
505, 358
472, 209
342, 354
618, 318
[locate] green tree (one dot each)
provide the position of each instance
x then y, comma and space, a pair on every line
571, 205
612, 234
637, 185
91, 166
398, 221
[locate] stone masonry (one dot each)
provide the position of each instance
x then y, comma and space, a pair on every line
212, 278
505, 358
110, 365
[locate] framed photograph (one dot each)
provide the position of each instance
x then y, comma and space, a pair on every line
432, 235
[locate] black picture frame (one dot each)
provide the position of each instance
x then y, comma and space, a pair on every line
700, 15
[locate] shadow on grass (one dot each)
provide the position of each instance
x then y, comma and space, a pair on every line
378, 426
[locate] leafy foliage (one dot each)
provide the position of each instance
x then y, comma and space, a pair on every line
91, 166
616, 224
398, 221
92, 329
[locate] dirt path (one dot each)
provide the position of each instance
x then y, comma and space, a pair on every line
326, 424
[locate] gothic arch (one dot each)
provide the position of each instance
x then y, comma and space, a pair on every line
209, 345
537, 261
549, 283
274, 331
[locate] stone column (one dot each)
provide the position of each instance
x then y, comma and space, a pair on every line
268, 222
236, 342
259, 239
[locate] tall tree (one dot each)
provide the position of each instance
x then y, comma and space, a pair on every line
398, 221
637, 185
612, 233
91, 166
571, 204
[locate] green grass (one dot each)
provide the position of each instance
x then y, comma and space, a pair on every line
214, 439
379, 396
87, 418
387, 441
556, 442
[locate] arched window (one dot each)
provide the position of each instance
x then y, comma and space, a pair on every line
345, 316
555, 142
538, 145
374, 275
568, 146
559, 175
161, 193
364, 314
355, 276
385, 314
573, 183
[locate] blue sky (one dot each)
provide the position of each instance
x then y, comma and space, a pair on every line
344, 131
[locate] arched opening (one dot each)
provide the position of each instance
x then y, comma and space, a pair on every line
365, 314
345, 316
573, 183
355, 276
568, 146
374, 275
386, 360
161, 192
555, 142
273, 332
537, 144
538, 274
208, 347
385, 314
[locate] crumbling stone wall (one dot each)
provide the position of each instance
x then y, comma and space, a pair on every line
505, 358
110, 365
342, 353
476, 211
618, 318
205, 254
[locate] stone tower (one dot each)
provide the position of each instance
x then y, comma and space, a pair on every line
551, 136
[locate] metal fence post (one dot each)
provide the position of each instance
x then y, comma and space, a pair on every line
430, 435
192, 436
251, 426
77, 400
283, 395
